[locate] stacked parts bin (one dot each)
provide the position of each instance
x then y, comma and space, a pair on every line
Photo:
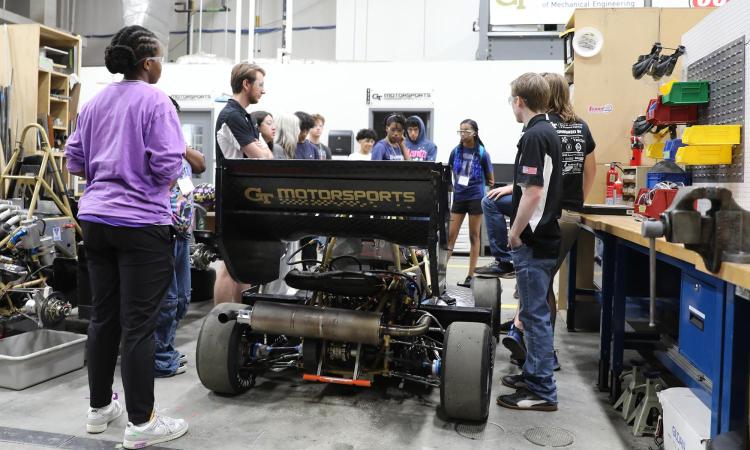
660, 114
687, 93
709, 144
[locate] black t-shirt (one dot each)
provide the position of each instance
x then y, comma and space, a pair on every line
239, 121
577, 143
538, 164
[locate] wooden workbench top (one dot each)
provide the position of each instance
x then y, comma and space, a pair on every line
626, 227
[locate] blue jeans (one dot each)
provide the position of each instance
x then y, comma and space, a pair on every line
495, 212
532, 279
173, 308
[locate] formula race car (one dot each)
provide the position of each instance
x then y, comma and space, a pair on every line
371, 308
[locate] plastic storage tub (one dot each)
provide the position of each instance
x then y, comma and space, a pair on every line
699, 155
40, 355
712, 135
652, 179
687, 93
661, 114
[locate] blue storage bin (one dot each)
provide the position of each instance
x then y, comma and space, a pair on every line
652, 179
670, 148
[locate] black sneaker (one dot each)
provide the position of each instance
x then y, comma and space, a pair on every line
499, 268
556, 365
466, 283
513, 381
505, 326
525, 400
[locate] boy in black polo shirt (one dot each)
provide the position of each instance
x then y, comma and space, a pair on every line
237, 135
534, 239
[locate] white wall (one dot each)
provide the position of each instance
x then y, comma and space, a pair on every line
460, 90
406, 30
719, 28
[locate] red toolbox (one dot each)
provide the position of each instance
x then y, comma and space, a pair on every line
652, 203
660, 114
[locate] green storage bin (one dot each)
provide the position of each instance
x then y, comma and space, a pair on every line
687, 93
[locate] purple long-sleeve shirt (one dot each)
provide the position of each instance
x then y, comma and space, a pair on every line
129, 145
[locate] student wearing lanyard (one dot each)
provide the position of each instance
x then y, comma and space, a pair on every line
472, 173
392, 148
129, 165
168, 361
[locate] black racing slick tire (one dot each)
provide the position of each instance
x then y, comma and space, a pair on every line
466, 371
487, 292
219, 355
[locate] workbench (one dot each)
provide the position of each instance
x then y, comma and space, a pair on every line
701, 337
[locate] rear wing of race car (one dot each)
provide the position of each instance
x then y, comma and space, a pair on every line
262, 202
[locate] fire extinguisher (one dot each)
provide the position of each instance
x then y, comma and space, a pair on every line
618, 191
611, 179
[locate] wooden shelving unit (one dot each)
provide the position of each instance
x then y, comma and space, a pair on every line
633, 179
44, 60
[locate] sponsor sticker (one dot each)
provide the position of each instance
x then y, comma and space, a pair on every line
603, 109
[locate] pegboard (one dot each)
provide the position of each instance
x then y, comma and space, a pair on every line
725, 70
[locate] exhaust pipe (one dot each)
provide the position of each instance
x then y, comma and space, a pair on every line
423, 324
330, 324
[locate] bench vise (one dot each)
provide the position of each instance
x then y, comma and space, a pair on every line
708, 221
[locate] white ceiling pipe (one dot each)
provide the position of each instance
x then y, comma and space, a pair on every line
200, 27
238, 31
289, 28
250, 30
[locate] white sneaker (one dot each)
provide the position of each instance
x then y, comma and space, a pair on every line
99, 418
159, 429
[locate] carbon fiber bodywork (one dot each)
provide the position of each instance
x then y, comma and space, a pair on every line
262, 202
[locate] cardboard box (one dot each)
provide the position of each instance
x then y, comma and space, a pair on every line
687, 420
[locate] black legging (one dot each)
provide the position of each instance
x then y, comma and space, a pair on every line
130, 270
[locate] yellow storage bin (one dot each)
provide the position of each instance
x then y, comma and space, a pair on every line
655, 150
712, 135
699, 155
665, 89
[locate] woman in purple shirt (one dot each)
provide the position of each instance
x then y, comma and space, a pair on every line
129, 146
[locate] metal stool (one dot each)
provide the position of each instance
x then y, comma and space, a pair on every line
649, 403
631, 396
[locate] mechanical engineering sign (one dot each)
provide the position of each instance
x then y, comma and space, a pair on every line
532, 12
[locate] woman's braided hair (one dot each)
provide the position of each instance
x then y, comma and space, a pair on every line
129, 46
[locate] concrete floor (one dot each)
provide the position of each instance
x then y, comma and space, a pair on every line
284, 412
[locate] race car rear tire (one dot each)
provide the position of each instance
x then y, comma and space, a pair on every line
218, 353
487, 293
466, 371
